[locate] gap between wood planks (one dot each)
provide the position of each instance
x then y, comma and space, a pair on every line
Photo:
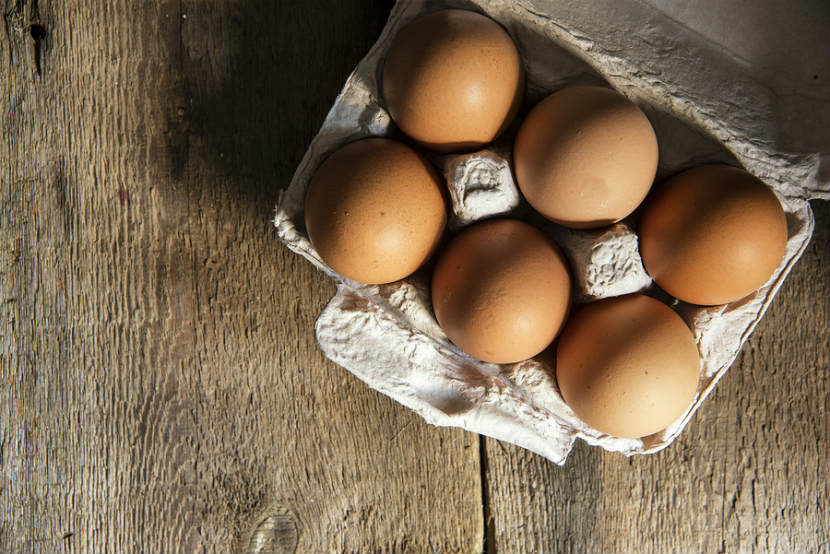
488, 545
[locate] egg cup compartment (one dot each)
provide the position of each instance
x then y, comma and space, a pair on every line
704, 108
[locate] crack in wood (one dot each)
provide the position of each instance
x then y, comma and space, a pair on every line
23, 19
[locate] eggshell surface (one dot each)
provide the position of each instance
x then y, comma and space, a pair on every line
501, 291
585, 157
375, 210
627, 366
453, 80
712, 234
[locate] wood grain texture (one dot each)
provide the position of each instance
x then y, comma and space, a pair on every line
160, 387
749, 473
162, 390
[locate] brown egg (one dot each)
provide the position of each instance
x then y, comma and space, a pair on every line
453, 80
374, 210
585, 157
501, 291
627, 366
712, 234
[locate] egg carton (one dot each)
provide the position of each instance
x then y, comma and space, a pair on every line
704, 108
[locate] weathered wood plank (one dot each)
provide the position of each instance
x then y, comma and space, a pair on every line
162, 390
749, 474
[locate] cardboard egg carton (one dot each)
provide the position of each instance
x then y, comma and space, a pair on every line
704, 108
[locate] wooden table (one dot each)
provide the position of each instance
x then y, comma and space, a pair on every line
161, 387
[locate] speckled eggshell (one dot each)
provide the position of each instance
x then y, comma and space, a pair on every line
453, 80
627, 366
585, 157
375, 210
712, 234
501, 291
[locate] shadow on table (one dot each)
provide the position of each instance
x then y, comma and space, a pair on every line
260, 77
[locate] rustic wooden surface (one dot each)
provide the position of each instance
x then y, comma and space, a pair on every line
161, 388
